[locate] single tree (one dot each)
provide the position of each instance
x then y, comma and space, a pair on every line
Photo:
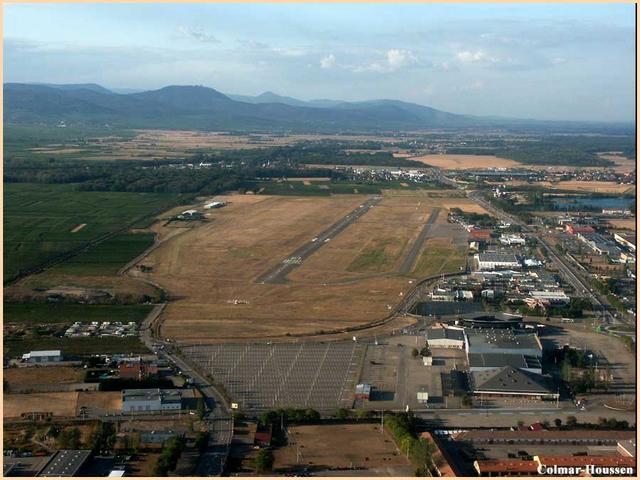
264, 461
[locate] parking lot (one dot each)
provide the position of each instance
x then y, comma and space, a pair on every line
264, 376
396, 376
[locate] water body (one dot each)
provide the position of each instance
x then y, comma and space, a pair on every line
591, 203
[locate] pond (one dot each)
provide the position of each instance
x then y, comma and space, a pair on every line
591, 203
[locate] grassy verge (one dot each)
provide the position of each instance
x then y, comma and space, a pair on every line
435, 260
75, 346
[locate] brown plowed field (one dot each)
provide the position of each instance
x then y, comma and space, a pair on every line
462, 162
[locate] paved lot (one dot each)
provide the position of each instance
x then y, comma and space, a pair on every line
396, 376
265, 376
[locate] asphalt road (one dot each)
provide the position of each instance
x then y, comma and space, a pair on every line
494, 418
219, 418
410, 258
278, 274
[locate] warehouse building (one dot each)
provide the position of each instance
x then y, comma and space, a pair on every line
550, 297
43, 356
503, 341
496, 261
445, 338
65, 463
153, 399
626, 240
479, 362
490, 320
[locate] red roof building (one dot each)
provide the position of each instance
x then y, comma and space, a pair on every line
512, 468
480, 235
439, 457
575, 229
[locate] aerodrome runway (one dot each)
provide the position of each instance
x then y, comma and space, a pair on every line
279, 273
411, 257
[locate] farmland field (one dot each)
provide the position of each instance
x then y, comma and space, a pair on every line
43, 313
210, 271
61, 404
576, 185
24, 377
39, 219
461, 162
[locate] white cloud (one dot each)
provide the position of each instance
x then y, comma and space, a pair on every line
197, 33
394, 59
479, 56
290, 52
328, 61
399, 58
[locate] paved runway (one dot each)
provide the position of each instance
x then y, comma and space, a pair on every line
410, 259
278, 274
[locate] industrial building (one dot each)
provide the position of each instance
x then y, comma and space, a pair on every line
363, 391
445, 338
490, 320
510, 239
503, 341
215, 204
550, 297
153, 399
496, 261
65, 463
479, 362
42, 356
627, 240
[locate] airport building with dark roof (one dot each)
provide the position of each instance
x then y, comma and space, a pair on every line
512, 382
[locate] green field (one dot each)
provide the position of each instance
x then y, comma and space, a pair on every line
75, 346
46, 313
107, 257
39, 219
372, 259
324, 188
436, 260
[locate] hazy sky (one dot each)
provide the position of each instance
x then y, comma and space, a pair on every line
572, 61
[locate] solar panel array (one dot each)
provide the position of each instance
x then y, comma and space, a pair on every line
267, 376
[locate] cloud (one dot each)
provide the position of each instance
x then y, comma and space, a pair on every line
197, 33
290, 51
479, 56
394, 59
399, 58
328, 61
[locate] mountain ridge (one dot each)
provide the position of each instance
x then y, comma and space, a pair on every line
204, 108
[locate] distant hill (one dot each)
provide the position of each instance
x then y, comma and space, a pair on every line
203, 108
